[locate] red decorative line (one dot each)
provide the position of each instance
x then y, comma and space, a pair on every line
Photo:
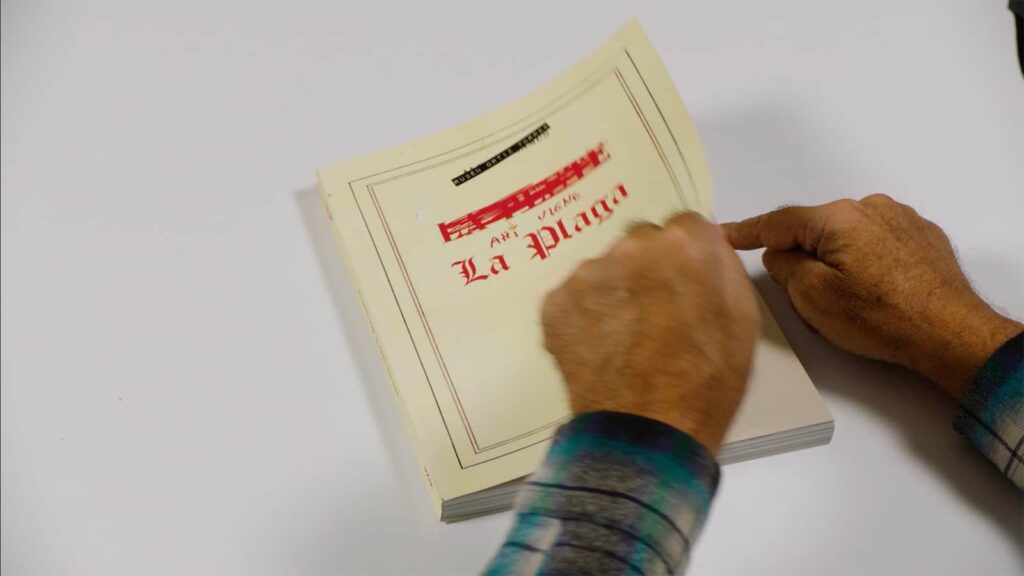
525, 198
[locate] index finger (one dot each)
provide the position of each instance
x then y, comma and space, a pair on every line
782, 229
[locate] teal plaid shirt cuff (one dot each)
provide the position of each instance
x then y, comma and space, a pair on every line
617, 494
991, 413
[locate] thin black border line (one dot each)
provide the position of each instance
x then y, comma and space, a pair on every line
416, 348
651, 135
664, 121
420, 359
463, 416
655, 141
576, 94
631, 97
404, 321
518, 122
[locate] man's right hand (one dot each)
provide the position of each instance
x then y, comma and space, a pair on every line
877, 279
662, 326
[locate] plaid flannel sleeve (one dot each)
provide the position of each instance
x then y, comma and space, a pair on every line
991, 413
617, 494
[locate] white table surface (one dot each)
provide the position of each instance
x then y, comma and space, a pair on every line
188, 386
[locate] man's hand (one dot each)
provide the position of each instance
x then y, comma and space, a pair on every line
879, 280
663, 326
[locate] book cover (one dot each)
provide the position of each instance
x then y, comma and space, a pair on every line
453, 241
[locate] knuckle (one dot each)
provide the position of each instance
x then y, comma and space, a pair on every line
693, 231
888, 208
685, 220
878, 198
846, 206
910, 212
845, 213
640, 227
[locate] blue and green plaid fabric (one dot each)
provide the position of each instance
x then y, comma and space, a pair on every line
991, 413
622, 494
617, 494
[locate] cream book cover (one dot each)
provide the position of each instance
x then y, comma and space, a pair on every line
453, 241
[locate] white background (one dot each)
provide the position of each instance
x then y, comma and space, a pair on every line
188, 386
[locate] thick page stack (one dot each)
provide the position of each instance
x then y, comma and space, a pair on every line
453, 241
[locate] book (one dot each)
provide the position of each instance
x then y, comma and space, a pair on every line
452, 242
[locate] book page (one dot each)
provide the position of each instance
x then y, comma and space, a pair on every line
455, 239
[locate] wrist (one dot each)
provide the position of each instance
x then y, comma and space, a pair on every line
703, 412
695, 422
969, 340
706, 431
